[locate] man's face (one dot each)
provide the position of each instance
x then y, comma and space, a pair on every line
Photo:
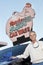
32, 36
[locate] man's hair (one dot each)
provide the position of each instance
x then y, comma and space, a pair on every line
14, 12
28, 4
31, 32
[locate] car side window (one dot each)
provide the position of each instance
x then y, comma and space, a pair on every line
18, 49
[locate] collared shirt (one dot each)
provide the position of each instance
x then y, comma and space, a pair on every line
35, 51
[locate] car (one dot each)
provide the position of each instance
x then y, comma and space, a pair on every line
41, 39
3, 44
14, 51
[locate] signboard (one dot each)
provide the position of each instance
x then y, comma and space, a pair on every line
20, 23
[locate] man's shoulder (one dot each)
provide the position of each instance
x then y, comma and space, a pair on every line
40, 42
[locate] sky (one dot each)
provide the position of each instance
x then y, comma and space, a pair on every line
7, 7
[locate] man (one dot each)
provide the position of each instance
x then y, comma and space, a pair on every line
34, 49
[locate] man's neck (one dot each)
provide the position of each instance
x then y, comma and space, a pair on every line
33, 41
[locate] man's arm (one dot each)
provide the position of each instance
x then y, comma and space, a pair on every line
24, 55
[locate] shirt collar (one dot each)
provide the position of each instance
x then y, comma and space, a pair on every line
36, 44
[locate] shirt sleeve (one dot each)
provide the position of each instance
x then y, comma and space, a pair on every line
25, 54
